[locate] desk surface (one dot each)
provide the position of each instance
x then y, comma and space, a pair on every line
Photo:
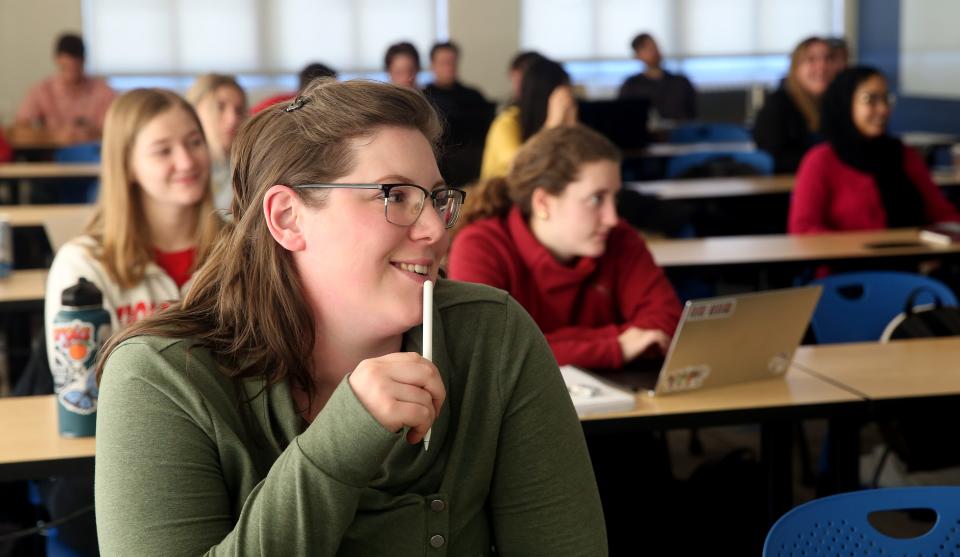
26, 170
29, 437
742, 186
782, 248
796, 388
894, 370
23, 286
678, 149
38, 215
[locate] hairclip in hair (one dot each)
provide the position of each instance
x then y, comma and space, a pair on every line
296, 104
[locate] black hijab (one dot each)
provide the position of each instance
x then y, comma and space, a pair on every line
881, 157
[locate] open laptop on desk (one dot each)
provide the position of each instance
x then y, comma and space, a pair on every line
728, 339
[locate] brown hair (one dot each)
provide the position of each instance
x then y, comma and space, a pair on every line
808, 105
550, 160
118, 220
246, 304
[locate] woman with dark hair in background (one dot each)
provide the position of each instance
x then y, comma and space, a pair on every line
546, 101
861, 178
789, 121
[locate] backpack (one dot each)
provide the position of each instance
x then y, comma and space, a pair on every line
919, 446
927, 321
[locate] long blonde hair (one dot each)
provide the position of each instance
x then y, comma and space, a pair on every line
808, 104
202, 88
118, 222
550, 160
246, 303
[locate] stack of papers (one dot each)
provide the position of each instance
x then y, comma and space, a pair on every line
591, 395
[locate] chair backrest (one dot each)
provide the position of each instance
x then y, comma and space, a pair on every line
856, 307
839, 525
709, 133
81, 152
720, 163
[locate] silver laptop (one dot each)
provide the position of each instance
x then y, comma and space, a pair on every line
730, 339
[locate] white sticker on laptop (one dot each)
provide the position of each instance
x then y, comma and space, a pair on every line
779, 364
712, 309
686, 379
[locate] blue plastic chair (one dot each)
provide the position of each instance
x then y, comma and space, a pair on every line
856, 307
708, 133
79, 153
761, 161
838, 525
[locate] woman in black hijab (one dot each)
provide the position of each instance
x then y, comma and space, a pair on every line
861, 178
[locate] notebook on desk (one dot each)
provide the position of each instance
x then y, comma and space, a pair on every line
725, 340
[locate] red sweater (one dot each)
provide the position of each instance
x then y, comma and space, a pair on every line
581, 309
831, 195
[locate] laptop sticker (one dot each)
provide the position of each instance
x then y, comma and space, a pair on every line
778, 364
712, 309
686, 378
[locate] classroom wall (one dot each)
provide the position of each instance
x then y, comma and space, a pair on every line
27, 31
489, 35
879, 45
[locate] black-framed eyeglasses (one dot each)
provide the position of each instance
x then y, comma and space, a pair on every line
403, 203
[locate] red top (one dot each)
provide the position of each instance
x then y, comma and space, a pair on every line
272, 100
830, 195
6, 152
177, 264
581, 309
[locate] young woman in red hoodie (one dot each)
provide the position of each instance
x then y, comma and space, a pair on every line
548, 233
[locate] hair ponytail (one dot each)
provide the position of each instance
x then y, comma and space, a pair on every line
490, 198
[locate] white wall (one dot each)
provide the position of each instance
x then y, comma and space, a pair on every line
488, 32
930, 48
28, 29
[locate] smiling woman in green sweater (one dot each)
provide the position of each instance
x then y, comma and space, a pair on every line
280, 409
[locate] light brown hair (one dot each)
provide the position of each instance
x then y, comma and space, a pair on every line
246, 303
549, 160
202, 88
808, 105
118, 222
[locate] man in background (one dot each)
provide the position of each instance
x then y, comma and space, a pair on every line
446, 91
70, 106
671, 95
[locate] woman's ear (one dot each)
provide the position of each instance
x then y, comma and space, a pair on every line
540, 204
283, 212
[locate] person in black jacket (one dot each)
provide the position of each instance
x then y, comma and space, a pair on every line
446, 91
671, 95
789, 122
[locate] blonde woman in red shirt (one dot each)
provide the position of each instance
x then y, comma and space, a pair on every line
548, 233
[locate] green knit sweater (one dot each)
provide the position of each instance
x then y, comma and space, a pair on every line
184, 468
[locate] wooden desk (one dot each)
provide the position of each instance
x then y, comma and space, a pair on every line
809, 249
48, 170
39, 215
23, 288
775, 404
796, 390
741, 186
31, 447
888, 371
677, 149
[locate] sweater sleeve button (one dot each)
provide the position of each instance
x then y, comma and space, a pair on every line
437, 505
437, 541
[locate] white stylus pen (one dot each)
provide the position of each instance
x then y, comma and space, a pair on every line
427, 338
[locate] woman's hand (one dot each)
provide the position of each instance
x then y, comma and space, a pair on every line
634, 342
561, 108
400, 390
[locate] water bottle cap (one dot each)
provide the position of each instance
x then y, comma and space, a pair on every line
84, 293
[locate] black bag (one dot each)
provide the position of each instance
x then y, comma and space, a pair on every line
918, 445
923, 322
